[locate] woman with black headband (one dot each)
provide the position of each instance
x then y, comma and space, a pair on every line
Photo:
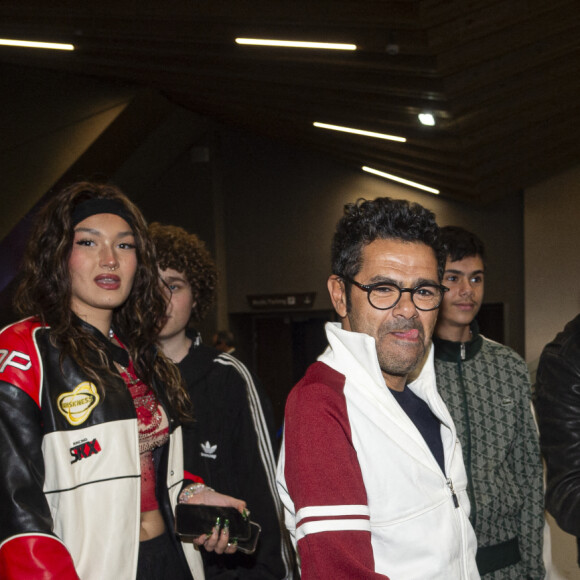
90, 438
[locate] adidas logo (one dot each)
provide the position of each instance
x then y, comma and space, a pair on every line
208, 450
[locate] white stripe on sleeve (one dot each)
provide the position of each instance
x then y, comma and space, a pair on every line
315, 527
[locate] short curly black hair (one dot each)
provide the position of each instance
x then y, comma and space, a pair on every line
365, 221
184, 252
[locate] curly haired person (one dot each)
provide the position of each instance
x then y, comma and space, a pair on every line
231, 443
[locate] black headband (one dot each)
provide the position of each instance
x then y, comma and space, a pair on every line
97, 205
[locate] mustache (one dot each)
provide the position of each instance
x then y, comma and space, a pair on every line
401, 326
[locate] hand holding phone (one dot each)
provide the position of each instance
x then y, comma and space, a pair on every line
194, 520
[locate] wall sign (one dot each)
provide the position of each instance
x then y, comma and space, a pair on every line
298, 301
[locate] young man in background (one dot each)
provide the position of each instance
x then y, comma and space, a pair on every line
487, 389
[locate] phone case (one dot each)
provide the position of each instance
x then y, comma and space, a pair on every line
249, 546
193, 520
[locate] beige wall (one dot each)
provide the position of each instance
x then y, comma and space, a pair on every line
552, 291
552, 259
282, 205
267, 210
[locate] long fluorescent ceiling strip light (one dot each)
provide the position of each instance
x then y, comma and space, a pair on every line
400, 180
32, 44
360, 132
295, 44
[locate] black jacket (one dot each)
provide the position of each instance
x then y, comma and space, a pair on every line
557, 402
231, 446
60, 441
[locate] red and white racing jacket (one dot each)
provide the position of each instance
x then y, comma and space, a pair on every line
364, 496
70, 473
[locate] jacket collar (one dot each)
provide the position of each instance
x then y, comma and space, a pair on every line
451, 351
354, 354
114, 352
199, 361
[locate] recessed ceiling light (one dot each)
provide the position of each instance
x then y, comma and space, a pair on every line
400, 180
295, 44
360, 132
427, 119
33, 44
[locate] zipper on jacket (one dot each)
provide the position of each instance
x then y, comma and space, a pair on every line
467, 441
453, 496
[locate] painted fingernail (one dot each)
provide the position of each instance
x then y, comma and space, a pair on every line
217, 522
245, 513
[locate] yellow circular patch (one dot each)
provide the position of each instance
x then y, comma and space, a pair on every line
77, 404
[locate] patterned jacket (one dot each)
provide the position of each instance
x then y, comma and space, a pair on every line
487, 390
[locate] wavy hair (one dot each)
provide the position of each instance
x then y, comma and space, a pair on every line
186, 253
383, 218
45, 291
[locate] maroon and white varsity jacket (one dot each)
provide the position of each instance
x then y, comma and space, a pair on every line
364, 497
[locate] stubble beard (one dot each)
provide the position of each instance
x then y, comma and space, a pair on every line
394, 363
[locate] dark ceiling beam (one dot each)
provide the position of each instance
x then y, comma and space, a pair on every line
501, 77
541, 39
541, 122
506, 155
298, 12
541, 165
456, 21
502, 69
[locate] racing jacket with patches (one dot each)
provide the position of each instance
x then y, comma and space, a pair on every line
70, 469
486, 388
364, 496
231, 446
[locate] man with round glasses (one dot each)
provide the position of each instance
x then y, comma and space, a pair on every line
371, 473
383, 296
487, 389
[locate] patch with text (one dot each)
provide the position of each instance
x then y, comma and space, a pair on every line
76, 405
84, 449
15, 359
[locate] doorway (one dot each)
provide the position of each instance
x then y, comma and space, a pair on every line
279, 347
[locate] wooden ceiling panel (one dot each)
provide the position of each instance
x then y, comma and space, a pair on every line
502, 78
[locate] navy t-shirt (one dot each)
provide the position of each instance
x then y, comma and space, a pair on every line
424, 419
